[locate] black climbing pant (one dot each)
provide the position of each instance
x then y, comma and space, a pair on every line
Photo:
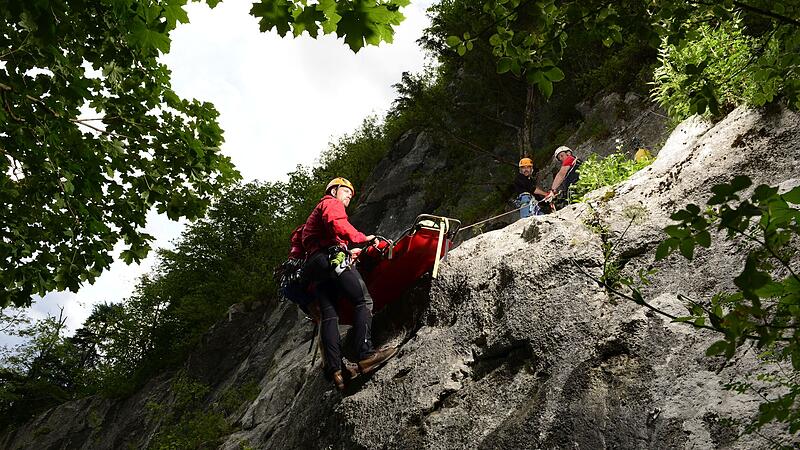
329, 287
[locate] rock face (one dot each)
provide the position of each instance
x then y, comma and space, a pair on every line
612, 120
394, 196
512, 346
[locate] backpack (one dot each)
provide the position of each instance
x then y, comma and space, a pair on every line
289, 275
291, 284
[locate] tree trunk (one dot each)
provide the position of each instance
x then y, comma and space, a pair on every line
525, 132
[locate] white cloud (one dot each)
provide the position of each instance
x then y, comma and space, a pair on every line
281, 101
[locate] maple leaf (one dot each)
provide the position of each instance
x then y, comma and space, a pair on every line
274, 14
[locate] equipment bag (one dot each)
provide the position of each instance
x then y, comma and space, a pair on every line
291, 286
289, 275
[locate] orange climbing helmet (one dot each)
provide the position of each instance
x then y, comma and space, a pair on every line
525, 162
339, 181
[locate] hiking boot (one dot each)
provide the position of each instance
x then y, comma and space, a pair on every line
338, 380
376, 359
349, 370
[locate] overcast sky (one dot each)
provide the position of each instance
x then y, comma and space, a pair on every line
281, 100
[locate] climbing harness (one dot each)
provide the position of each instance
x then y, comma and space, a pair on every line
339, 259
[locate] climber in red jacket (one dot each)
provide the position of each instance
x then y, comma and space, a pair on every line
330, 242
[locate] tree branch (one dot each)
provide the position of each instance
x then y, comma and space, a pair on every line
488, 117
674, 318
471, 145
572, 24
767, 13
516, 9
83, 122
11, 52
769, 249
479, 149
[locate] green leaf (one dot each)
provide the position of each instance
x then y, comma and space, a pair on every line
722, 189
764, 192
792, 196
703, 238
795, 352
772, 289
503, 65
740, 182
174, 13
307, 19
677, 231
516, 69
617, 36
367, 21
664, 249
751, 278
699, 106
686, 247
717, 348
148, 40
453, 41
329, 26
692, 69
545, 87
534, 76
273, 14
554, 74
682, 215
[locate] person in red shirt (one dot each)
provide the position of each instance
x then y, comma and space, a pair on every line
327, 234
568, 174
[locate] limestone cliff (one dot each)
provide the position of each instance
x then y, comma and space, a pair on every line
512, 347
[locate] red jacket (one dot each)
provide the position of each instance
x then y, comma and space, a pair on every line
296, 249
328, 226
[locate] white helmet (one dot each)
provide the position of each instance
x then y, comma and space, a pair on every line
561, 149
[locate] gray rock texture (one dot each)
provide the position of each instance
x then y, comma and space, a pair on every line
612, 120
394, 195
512, 346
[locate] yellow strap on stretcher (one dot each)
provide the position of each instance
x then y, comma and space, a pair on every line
443, 225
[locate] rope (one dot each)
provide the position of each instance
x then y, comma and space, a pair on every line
527, 205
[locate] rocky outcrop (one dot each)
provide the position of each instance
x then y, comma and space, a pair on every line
512, 346
611, 120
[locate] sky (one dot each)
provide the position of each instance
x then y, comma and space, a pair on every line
281, 100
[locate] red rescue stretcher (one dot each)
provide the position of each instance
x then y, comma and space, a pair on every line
389, 270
